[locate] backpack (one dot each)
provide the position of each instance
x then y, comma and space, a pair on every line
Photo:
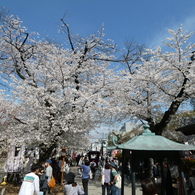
118, 181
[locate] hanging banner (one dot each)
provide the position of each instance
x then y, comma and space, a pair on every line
15, 159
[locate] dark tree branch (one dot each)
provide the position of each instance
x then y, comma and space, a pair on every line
68, 33
20, 121
159, 127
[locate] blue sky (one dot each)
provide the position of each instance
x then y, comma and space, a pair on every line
143, 20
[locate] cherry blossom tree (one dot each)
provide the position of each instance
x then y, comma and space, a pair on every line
60, 91
162, 83
8, 111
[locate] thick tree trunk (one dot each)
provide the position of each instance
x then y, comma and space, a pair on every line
45, 151
160, 127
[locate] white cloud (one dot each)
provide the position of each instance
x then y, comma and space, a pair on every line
187, 24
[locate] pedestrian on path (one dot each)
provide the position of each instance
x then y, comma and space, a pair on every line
113, 178
43, 179
105, 179
78, 157
71, 187
85, 176
31, 182
93, 168
49, 173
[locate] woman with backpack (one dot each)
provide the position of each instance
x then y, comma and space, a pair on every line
114, 176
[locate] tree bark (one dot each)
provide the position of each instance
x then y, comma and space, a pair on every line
160, 127
45, 151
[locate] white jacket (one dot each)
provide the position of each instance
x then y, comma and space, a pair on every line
30, 185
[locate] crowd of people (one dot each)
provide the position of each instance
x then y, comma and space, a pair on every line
150, 173
37, 180
108, 169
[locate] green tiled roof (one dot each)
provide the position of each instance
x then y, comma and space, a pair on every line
150, 142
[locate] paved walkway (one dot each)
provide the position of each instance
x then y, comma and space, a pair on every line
95, 188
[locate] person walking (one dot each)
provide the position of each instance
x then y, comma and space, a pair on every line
85, 176
93, 168
43, 179
49, 173
71, 187
105, 179
166, 183
78, 159
113, 178
30, 183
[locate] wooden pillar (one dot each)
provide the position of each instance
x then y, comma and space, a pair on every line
133, 174
133, 182
62, 169
123, 171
